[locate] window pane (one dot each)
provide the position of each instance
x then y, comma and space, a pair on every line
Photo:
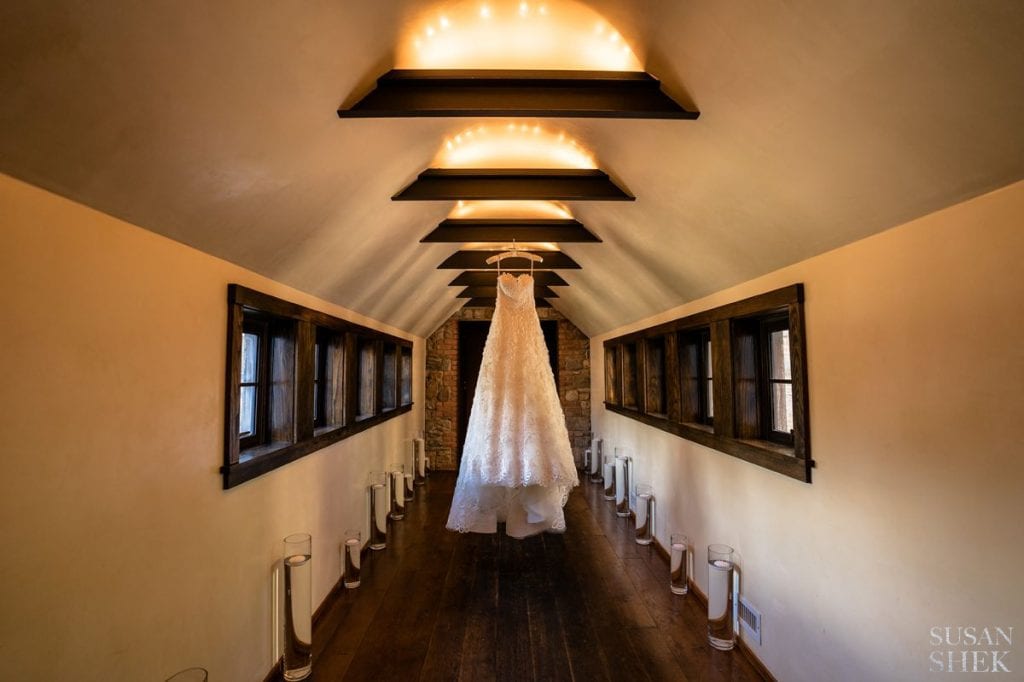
250, 351
780, 355
390, 376
406, 376
711, 399
247, 412
707, 360
316, 361
629, 375
782, 407
611, 374
367, 379
656, 398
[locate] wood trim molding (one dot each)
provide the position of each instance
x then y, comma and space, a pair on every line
257, 300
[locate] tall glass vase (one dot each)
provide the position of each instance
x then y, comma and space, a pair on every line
397, 493
596, 459
410, 488
297, 639
353, 546
623, 474
644, 514
721, 588
420, 459
609, 480
378, 512
679, 564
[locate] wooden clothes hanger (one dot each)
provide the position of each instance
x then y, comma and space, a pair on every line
514, 252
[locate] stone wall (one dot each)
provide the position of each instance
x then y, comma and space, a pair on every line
443, 380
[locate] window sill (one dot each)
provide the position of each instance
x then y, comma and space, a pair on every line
250, 454
321, 430
260, 460
770, 446
778, 458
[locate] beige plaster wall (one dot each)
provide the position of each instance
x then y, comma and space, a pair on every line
125, 560
915, 339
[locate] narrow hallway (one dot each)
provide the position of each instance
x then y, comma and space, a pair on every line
587, 605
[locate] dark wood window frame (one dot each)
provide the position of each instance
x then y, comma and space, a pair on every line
740, 384
293, 392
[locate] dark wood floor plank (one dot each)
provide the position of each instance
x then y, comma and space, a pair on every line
587, 660
547, 640
513, 656
444, 654
651, 648
478, 643
607, 617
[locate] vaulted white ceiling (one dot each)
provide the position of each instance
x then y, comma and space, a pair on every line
214, 124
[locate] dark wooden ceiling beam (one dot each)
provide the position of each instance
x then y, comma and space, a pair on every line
536, 93
482, 184
477, 260
460, 230
492, 292
489, 303
541, 278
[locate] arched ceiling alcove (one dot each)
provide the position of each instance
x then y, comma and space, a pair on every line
215, 124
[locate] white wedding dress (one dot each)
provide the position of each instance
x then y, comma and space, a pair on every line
517, 464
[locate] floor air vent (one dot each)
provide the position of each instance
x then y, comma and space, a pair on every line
750, 619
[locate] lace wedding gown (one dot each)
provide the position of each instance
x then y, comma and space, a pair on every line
517, 464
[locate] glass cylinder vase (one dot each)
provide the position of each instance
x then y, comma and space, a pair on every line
644, 514
420, 459
609, 480
721, 587
298, 607
397, 493
352, 547
596, 459
410, 488
679, 564
623, 466
378, 512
